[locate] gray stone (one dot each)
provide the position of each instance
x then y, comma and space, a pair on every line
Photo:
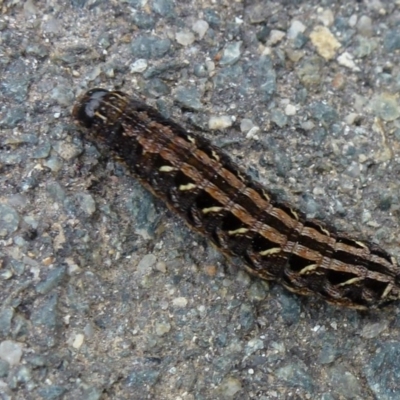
56, 192
229, 387
391, 41
148, 47
86, 203
385, 106
47, 313
212, 18
344, 382
54, 163
382, 370
189, 98
68, 150
12, 117
231, 53
309, 71
4, 368
63, 95
324, 113
146, 264
247, 317
156, 88
295, 374
9, 220
143, 20
279, 117
6, 315
165, 8
52, 280
53, 392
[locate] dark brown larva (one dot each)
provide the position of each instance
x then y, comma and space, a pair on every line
198, 181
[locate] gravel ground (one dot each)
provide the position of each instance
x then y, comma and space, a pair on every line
104, 294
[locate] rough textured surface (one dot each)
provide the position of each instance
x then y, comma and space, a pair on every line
106, 295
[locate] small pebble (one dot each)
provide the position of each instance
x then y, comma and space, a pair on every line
200, 27
246, 124
180, 302
372, 330
275, 37
325, 42
364, 26
161, 267
290, 110
146, 264
254, 345
385, 106
295, 28
229, 387
220, 122
231, 53
185, 38
353, 20
326, 17
351, 118
78, 341
346, 59
162, 328
9, 220
11, 352
138, 66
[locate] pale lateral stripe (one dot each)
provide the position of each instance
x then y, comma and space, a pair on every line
269, 252
238, 231
309, 268
167, 168
387, 290
101, 116
214, 209
351, 281
188, 186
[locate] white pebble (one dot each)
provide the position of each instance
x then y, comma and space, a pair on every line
307, 125
246, 124
185, 38
295, 28
180, 302
353, 20
220, 122
290, 109
252, 133
210, 65
138, 66
78, 341
200, 27
326, 17
11, 352
346, 59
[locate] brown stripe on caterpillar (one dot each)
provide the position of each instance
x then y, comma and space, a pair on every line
216, 198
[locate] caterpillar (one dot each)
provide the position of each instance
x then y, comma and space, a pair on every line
199, 182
